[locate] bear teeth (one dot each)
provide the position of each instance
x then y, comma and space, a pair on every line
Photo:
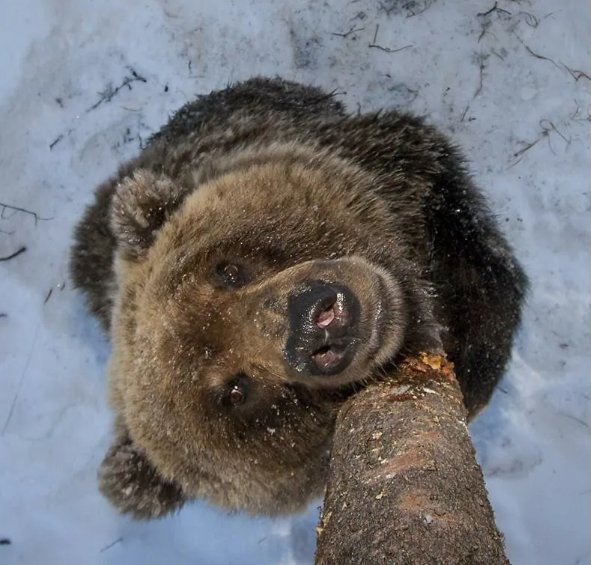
327, 357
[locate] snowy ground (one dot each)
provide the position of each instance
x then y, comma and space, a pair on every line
83, 83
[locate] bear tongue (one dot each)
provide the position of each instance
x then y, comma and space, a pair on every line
325, 318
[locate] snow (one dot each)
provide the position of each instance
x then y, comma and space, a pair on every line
497, 83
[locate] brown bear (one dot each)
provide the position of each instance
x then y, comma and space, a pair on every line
265, 256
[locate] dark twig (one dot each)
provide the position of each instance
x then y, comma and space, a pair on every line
388, 49
576, 74
481, 66
552, 127
361, 15
348, 33
528, 146
118, 540
547, 126
13, 255
575, 419
375, 35
486, 21
481, 59
109, 93
515, 163
463, 116
20, 382
495, 8
60, 287
5, 541
484, 28
23, 210
374, 45
56, 141
574, 115
497, 54
534, 54
542, 57
530, 19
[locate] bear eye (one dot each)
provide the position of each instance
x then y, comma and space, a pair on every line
232, 275
237, 392
237, 395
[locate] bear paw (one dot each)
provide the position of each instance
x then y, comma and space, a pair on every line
133, 485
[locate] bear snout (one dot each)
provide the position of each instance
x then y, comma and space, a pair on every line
323, 328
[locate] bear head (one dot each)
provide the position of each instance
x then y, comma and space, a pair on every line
252, 291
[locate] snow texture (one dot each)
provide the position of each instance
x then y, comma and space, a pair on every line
84, 83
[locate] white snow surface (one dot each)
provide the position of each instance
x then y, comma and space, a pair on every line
507, 86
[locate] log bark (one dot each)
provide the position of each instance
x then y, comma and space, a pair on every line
404, 486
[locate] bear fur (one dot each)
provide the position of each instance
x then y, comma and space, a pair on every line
206, 259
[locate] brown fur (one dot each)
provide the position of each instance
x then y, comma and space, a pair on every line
275, 178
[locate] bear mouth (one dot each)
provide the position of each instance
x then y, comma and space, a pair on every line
332, 357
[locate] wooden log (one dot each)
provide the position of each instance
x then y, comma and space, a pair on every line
404, 486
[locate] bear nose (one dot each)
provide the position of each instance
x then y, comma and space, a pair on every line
323, 328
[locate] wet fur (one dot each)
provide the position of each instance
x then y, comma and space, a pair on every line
394, 192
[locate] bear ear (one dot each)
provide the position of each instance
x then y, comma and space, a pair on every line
141, 204
132, 484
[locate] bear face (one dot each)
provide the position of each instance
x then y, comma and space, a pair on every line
264, 257
239, 315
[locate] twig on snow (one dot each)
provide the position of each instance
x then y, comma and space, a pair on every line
531, 144
56, 141
13, 255
118, 540
495, 8
374, 45
576, 74
530, 19
348, 33
109, 93
534, 54
547, 126
481, 59
481, 66
5, 207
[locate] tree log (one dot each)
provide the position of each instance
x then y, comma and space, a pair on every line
404, 486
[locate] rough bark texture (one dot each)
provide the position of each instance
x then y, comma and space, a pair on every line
404, 485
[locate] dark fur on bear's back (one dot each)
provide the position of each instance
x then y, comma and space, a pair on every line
439, 218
